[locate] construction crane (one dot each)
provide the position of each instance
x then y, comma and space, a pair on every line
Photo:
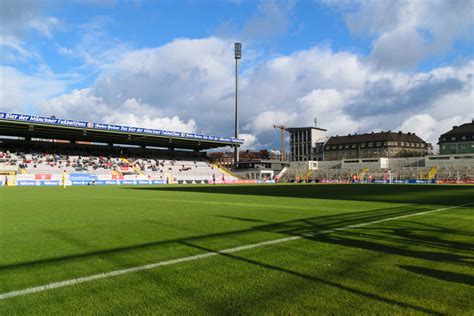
282, 129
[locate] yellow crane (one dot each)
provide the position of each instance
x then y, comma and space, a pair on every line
282, 129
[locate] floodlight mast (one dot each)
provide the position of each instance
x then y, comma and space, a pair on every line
237, 55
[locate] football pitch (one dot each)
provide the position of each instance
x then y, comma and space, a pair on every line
244, 249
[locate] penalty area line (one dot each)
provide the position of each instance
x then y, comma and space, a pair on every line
105, 275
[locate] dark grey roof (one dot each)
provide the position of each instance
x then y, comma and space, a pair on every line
374, 137
467, 128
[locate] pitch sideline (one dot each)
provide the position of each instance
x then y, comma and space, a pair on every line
104, 275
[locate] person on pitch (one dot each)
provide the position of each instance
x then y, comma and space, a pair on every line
64, 179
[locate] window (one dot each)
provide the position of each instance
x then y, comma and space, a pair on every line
444, 146
346, 147
353, 146
444, 139
463, 146
453, 138
371, 144
453, 146
378, 144
362, 145
340, 146
464, 137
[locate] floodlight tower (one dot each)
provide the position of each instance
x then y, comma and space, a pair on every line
237, 55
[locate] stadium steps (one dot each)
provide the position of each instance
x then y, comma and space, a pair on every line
117, 173
363, 172
131, 165
433, 172
282, 174
224, 170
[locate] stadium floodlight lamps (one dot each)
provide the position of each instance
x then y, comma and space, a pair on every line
238, 50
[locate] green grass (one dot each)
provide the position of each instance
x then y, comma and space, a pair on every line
412, 265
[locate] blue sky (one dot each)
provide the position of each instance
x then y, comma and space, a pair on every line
356, 65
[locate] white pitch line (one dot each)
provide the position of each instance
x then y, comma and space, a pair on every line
104, 275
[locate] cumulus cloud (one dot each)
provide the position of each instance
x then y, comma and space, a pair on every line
20, 92
406, 31
394, 93
264, 121
429, 127
250, 141
188, 85
191, 77
82, 104
329, 106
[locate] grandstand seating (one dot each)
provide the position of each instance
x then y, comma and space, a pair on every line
401, 169
138, 163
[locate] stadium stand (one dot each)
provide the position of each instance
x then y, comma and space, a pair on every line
441, 168
107, 163
27, 158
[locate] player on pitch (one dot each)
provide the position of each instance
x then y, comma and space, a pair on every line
64, 179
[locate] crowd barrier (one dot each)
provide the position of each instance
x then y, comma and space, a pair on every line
84, 179
90, 179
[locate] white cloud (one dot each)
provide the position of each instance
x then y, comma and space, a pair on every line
407, 31
191, 77
188, 85
328, 105
82, 104
20, 92
44, 26
264, 121
250, 141
429, 128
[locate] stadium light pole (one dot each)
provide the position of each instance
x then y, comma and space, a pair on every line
237, 55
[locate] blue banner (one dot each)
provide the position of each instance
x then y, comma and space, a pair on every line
38, 183
116, 182
82, 177
112, 127
26, 182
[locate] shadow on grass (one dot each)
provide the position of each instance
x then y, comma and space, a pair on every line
441, 275
398, 242
413, 194
308, 228
307, 277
